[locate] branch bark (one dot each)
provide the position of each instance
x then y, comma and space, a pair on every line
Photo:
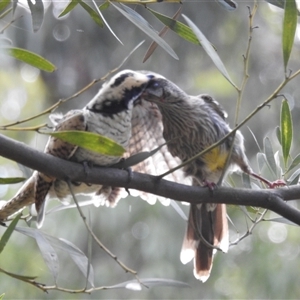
272, 199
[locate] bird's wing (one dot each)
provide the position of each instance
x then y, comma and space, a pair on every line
215, 105
73, 120
147, 135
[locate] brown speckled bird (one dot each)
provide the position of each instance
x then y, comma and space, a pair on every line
117, 113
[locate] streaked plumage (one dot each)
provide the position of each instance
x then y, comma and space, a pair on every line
110, 113
191, 124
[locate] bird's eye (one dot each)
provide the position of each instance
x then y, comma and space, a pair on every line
150, 76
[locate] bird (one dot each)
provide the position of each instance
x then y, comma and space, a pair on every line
190, 125
116, 112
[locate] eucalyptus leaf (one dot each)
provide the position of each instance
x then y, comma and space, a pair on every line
209, 49
11, 180
71, 5
5, 13
294, 178
30, 58
93, 14
79, 259
295, 163
8, 232
4, 4
90, 141
278, 134
179, 28
289, 29
143, 25
75, 253
17, 276
268, 149
228, 4
261, 160
286, 129
37, 13
48, 253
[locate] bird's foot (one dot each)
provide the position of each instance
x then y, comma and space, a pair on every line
272, 185
211, 185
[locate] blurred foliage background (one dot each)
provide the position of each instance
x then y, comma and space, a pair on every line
148, 238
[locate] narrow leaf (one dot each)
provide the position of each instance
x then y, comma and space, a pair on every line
289, 29
8, 232
2, 296
261, 160
93, 14
6, 13
75, 253
37, 13
294, 178
278, 134
228, 4
91, 141
181, 29
143, 25
270, 155
286, 129
15, 2
20, 277
162, 33
31, 59
48, 253
4, 3
209, 49
295, 163
79, 259
69, 7
179, 210
11, 180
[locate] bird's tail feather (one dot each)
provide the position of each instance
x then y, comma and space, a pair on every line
206, 228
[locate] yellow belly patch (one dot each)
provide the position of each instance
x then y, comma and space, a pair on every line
215, 160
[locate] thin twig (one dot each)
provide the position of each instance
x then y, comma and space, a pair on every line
100, 244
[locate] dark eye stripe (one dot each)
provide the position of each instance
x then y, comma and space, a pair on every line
120, 79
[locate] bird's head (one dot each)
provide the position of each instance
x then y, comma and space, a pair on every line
119, 93
160, 90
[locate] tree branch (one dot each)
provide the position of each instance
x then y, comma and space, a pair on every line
273, 199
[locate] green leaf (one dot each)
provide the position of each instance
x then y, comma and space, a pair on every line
295, 163
286, 129
4, 3
181, 29
93, 14
11, 180
289, 29
2, 296
30, 58
91, 141
69, 7
5, 13
143, 25
20, 277
37, 13
8, 232
209, 49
